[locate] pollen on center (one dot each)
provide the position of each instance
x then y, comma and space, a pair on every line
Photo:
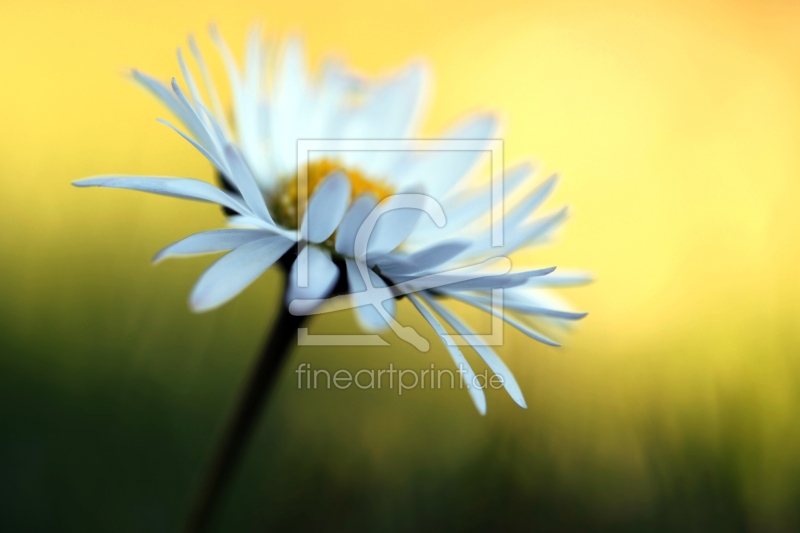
283, 203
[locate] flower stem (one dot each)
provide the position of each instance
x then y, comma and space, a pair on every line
242, 419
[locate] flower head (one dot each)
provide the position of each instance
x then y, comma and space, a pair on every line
376, 225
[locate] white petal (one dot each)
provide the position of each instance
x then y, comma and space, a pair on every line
167, 97
501, 281
322, 276
402, 119
253, 119
394, 225
326, 207
477, 205
427, 258
392, 112
530, 234
523, 210
329, 97
289, 103
524, 328
487, 354
393, 107
233, 272
517, 304
187, 76
211, 90
518, 232
251, 125
534, 232
195, 123
368, 316
358, 212
527, 330
255, 222
218, 240
493, 267
476, 393
545, 311
245, 183
563, 279
255, 61
230, 63
200, 148
531, 294
441, 171
189, 189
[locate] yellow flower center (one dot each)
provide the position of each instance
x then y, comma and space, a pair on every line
283, 202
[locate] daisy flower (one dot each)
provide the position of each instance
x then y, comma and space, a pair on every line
378, 225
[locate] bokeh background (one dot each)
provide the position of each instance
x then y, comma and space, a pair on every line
673, 407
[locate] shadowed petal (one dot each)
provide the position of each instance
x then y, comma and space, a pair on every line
233, 272
511, 321
423, 260
488, 355
186, 188
218, 240
478, 397
326, 207
322, 276
246, 183
369, 317
440, 171
358, 212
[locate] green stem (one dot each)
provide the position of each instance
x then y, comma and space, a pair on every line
243, 418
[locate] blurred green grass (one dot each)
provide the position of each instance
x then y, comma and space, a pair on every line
110, 405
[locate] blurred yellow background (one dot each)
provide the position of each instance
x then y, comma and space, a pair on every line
675, 126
